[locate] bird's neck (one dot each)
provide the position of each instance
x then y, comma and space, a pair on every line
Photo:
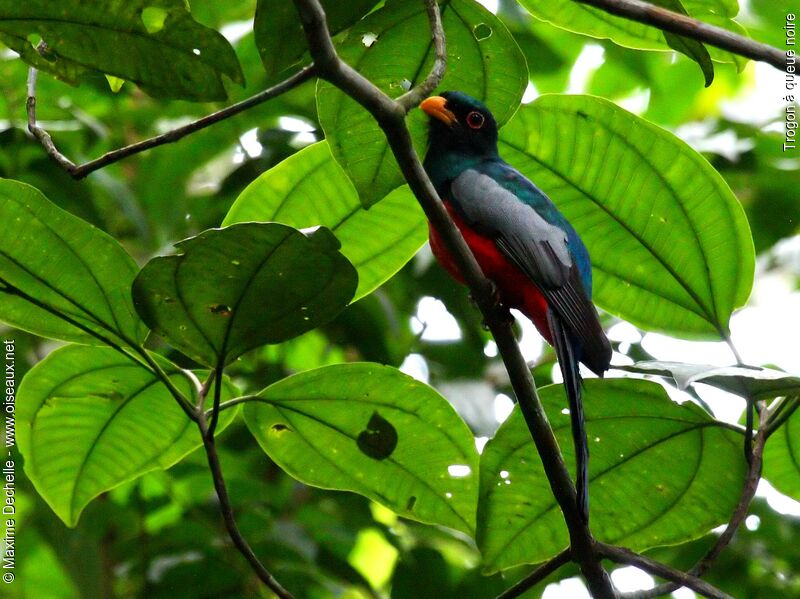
444, 165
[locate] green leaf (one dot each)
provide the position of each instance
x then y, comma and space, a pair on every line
782, 458
372, 430
309, 188
233, 289
65, 265
686, 45
659, 474
279, 34
751, 382
670, 244
588, 20
89, 419
153, 43
387, 48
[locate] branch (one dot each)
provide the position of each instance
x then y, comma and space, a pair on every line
227, 512
626, 556
414, 96
390, 116
666, 20
81, 171
782, 413
739, 514
535, 577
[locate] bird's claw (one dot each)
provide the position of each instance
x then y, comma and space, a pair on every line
498, 306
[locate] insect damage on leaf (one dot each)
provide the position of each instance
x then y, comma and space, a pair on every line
379, 439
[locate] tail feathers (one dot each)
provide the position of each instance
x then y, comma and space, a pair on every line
568, 362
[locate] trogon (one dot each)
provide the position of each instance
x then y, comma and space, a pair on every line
523, 244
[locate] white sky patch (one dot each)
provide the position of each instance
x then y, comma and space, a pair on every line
572, 588
759, 102
783, 504
233, 32
434, 321
589, 60
490, 349
637, 102
531, 345
683, 593
752, 522
698, 134
480, 443
491, 5
291, 123
250, 144
629, 579
503, 405
531, 93
415, 366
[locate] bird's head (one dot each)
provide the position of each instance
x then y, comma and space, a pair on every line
460, 123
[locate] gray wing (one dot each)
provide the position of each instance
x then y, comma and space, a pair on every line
540, 250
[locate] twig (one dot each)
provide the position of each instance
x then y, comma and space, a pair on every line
626, 556
738, 516
81, 171
414, 96
783, 412
390, 116
539, 574
227, 513
666, 20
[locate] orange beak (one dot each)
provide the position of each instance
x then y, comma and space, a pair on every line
435, 107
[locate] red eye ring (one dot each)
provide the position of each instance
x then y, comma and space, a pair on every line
475, 119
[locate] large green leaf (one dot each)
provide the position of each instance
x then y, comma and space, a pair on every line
751, 382
670, 244
279, 35
154, 43
310, 188
89, 419
370, 429
65, 265
233, 289
782, 457
387, 48
588, 20
659, 474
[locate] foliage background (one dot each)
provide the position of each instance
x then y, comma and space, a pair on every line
160, 535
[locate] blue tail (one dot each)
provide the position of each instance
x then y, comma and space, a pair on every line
568, 361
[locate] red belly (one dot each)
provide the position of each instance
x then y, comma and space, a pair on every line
516, 289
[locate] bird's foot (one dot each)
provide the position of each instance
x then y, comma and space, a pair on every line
499, 307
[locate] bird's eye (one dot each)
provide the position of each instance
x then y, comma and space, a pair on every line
475, 120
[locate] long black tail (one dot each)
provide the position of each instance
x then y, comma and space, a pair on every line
568, 362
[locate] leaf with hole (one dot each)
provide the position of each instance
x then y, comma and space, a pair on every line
386, 47
752, 382
153, 43
659, 474
782, 456
670, 244
279, 35
310, 188
588, 20
89, 419
372, 430
53, 263
233, 289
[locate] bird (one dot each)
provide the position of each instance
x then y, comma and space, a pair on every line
523, 244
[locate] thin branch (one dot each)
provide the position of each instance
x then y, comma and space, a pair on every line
81, 171
738, 516
783, 412
666, 20
626, 556
227, 513
390, 116
416, 95
535, 577
212, 426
